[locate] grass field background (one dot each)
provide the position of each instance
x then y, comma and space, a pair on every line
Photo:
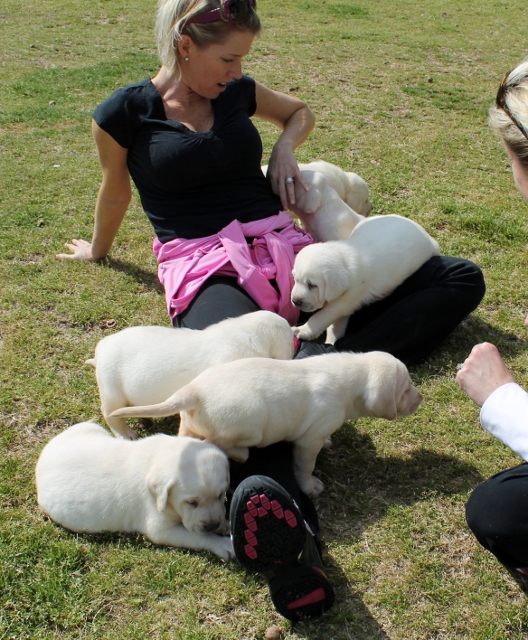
400, 90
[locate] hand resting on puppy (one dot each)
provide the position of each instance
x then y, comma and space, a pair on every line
334, 279
256, 402
145, 365
170, 489
321, 211
350, 187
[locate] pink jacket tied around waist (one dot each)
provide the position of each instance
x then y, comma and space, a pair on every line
184, 265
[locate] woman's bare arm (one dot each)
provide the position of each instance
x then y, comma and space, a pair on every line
112, 200
296, 121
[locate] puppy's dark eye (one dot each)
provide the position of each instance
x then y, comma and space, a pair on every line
311, 285
192, 503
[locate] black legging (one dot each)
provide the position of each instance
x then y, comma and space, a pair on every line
497, 513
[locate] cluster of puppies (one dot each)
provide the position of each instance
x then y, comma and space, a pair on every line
235, 386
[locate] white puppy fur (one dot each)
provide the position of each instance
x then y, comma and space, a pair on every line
321, 212
170, 489
145, 365
349, 186
257, 402
337, 278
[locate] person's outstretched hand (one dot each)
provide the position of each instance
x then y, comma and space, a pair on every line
80, 250
483, 372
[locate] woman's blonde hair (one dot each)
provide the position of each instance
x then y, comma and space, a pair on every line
170, 25
509, 115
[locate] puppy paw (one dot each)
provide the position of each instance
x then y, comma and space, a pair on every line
313, 487
223, 548
129, 434
328, 444
119, 427
303, 333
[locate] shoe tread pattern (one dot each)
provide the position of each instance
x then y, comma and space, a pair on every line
269, 531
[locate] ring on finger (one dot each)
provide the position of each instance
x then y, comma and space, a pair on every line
289, 180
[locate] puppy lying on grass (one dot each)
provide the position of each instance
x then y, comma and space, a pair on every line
145, 365
170, 489
334, 279
321, 211
257, 402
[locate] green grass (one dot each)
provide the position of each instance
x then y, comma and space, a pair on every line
400, 90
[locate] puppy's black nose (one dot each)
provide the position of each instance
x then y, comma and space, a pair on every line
211, 526
297, 302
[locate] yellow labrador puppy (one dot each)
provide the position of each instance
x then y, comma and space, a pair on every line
145, 365
321, 211
334, 279
257, 402
170, 489
350, 187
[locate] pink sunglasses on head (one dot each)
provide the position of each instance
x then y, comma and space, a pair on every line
228, 11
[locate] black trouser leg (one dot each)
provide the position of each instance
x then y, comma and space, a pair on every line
417, 316
276, 462
497, 513
219, 298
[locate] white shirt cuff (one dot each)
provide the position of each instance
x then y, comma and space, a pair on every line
505, 416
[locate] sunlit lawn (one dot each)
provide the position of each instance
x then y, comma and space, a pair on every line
401, 92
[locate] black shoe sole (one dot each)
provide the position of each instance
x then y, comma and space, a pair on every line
269, 534
302, 593
267, 528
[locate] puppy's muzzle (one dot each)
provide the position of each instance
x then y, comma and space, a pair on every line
211, 527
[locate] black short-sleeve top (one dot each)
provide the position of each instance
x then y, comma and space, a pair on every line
191, 184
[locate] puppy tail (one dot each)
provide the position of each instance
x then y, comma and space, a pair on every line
91, 361
184, 399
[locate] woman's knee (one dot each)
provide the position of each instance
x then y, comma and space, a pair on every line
480, 515
468, 279
472, 274
498, 507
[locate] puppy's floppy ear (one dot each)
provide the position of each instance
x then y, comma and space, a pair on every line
307, 202
159, 486
336, 282
382, 404
381, 395
396, 397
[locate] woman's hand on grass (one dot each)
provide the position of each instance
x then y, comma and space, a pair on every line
483, 372
80, 250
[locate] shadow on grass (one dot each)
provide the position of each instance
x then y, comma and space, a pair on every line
374, 482
361, 488
458, 345
147, 278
